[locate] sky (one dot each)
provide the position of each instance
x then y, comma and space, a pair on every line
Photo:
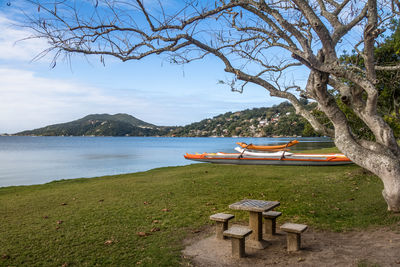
33, 94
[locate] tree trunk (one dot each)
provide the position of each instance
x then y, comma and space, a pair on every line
385, 166
391, 191
380, 159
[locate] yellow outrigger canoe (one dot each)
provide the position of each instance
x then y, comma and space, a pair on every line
267, 148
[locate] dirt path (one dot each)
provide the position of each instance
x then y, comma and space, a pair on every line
376, 247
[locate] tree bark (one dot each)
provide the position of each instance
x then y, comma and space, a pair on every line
383, 163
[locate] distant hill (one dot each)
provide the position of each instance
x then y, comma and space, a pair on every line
278, 120
121, 117
101, 125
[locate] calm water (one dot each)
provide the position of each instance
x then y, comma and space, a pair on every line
36, 160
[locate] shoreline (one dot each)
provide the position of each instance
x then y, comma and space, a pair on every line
61, 180
161, 136
39, 160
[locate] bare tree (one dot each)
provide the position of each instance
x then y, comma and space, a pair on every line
259, 42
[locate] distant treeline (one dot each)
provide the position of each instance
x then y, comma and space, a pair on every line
279, 120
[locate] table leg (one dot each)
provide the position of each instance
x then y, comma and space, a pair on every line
255, 224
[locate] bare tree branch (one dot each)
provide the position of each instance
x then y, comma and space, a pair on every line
388, 68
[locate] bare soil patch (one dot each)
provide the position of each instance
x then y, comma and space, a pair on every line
372, 247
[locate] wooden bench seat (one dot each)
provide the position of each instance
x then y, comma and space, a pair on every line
222, 220
293, 231
238, 235
270, 221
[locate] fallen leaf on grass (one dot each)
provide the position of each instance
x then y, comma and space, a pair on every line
142, 234
63, 204
59, 222
196, 231
155, 221
110, 241
146, 203
165, 210
155, 229
312, 211
45, 217
64, 265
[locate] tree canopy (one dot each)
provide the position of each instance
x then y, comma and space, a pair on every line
386, 53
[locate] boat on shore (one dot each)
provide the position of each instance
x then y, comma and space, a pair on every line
277, 159
267, 148
276, 156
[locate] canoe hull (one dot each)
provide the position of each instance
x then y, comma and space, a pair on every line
292, 160
267, 148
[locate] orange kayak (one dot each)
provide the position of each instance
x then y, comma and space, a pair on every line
277, 158
277, 147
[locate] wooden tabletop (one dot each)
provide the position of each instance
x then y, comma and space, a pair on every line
254, 205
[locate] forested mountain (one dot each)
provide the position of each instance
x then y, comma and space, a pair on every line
101, 125
279, 120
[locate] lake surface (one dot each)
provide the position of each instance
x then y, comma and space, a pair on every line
26, 160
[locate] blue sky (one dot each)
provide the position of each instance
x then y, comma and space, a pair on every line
33, 95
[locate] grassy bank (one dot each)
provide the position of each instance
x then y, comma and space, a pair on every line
142, 218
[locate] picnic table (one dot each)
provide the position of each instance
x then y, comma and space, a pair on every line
255, 209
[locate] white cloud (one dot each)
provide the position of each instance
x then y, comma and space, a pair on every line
12, 48
28, 101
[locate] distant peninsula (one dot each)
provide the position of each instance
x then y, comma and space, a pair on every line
278, 120
101, 125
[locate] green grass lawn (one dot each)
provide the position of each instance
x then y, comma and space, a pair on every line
142, 218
